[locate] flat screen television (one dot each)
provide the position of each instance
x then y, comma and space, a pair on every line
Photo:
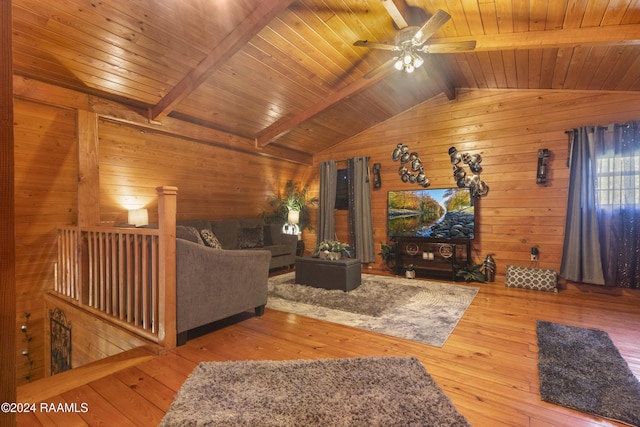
439, 213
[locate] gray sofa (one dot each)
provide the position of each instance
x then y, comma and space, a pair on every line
251, 234
213, 283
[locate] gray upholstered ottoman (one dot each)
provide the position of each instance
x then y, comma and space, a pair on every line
340, 274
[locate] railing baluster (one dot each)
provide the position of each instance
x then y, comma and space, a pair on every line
91, 264
117, 273
136, 282
106, 258
154, 284
72, 245
121, 275
144, 282
130, 279
103, 273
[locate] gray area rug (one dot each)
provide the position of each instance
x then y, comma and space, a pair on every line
582, 369
370, 391
416, 310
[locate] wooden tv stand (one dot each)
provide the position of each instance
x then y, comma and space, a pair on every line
435, 258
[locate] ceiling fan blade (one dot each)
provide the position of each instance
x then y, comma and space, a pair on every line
451, 47
374, 45
430, 27
380, 68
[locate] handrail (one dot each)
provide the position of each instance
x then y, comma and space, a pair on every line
124, 275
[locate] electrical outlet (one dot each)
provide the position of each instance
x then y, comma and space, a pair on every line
534, 253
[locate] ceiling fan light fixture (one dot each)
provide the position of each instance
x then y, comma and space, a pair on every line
417, 60
399, 65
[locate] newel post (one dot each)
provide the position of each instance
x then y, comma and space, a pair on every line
167, 202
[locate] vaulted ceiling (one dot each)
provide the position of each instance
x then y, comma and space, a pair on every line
285, 73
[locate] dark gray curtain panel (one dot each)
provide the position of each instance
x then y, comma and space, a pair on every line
618, 161
327, 203
602, 234
581, 258
360, 216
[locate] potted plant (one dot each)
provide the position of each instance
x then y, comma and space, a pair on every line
332, 249
388, 255
293, 198
410, 271
471, 273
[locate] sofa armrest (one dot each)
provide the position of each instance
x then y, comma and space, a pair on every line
212, 284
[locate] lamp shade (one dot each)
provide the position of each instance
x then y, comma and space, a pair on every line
293, 217
138, 217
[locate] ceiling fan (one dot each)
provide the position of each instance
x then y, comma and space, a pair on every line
410, 41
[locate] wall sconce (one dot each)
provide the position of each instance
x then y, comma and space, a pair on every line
543, 157
377, 181
138, 217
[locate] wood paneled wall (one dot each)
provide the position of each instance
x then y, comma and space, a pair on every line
45, 197
8, 332
214, 182
93, 339
506, 127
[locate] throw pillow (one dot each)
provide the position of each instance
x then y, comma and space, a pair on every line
210, 239
251, 237
531, 278
188, 233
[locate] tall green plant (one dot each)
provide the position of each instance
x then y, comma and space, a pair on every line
293, 197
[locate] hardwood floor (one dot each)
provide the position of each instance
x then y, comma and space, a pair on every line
488, 367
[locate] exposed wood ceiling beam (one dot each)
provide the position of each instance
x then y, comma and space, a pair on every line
286, 123
565, 38
437, 72
233, 42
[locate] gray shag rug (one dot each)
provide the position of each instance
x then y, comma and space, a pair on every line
368, 391
582, 369
416, 310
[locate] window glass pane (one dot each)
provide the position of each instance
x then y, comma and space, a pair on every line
618, 182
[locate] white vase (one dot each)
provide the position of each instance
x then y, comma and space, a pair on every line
410, 274
334, 255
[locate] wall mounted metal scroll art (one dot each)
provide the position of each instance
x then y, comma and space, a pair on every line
477, 186
411, 170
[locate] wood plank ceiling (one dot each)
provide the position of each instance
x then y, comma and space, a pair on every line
286, 74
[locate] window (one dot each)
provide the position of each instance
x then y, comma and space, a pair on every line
618, 182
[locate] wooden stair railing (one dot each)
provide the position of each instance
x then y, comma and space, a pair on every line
124, 275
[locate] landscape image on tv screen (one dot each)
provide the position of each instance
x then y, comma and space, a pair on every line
446, 213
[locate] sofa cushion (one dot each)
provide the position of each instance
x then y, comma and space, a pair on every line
272, 234
227, 232
188, 233
251, 237
210, 239
250, 222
